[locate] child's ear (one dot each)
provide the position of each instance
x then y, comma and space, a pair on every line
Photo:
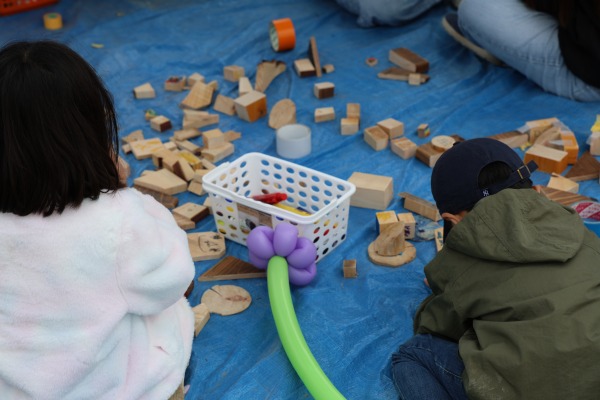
453, 218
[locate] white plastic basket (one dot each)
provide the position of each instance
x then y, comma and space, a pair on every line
325, 197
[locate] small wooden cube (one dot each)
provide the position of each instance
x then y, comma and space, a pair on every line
160, 123
233, 73
324, 90
594, 142
409, 224
349, 269
251, 106
353, 110
224, 104
175, 83
324, 114
218, 153
403, 147
349, 126
423, 130
304, 68
192, 211
145, 91
384, 218
213, 138
328, 68
392, 127
372, 191
196, 188
414, 79
376, 138
548, 160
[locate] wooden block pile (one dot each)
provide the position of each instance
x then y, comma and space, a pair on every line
410, 67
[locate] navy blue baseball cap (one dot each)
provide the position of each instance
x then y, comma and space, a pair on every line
455, 176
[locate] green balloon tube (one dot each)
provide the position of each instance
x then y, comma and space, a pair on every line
294, 344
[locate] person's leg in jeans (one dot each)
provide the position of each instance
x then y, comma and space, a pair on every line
525, 39
428, 367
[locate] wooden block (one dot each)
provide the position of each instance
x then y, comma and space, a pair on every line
196, 188
324, 114
184, 223
266, 72
230, 268
349, 269
163, 181
563, 197
406, 256
199, 174
201, 317
214, 85
144, 148
244, 86
175, 84
594, 142
394, 73
189, 146
410, 224
428, 154
193, 78
324, 90
133, 136
194, 162
163, 158
561, 183
570, 145
213, 138
547, 135
371, 61
587, 167
392, 127
420, 206
405, 58
384, 218
438, 236
186, 134
170, 145
376, 138
208, 203
218, 153
230, 136
512, 139
313, 55
404, 147
207, 164
328, 68
372, 191
442, 142
160, 123
353, 110
414, 79
145, 91
304, 68
192, 211
282, 113
200, 96
233, 73
349, 126
206, 245
225, 105
251, 106
423, 130
390, 241
165, 199
183, 169
193, 119
548, 160
536, 127
126, 148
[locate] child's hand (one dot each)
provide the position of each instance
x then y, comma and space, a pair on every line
426, 282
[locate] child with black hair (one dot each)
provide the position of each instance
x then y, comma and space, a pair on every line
515, 304
93, 273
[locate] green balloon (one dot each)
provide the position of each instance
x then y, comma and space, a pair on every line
294, 344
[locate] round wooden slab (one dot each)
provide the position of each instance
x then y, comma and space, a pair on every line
226, 299
409, 254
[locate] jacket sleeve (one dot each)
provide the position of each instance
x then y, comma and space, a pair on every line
436, 315
154, 263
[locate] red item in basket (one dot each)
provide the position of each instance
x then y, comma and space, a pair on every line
270, 198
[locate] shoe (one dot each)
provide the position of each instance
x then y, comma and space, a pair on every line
450, 24
455, 3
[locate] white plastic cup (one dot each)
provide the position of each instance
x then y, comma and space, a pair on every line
293, 141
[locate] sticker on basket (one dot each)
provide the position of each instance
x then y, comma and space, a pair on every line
250, 218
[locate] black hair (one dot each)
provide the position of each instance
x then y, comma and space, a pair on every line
58, 130
491, 174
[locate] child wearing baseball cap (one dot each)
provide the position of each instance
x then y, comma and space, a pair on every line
515, 298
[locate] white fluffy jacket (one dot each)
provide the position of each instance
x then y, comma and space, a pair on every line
91, 302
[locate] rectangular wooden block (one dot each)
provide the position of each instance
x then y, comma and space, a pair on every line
404, 147
224, 104
175, 84
323, 90
392, 127
410, 224
163, 181
145, 91
349, 268
423, 130
428, 154
420, 206
372, 191
409, 60
213, 138
324, 114
200, 96
192, 211
512, 139
251, 106
218, 153
304, 68
165, 199
376, 138
233, 73
193, 119
548, 160
384, 218
353, 110
144, 148
160, 123
349, 126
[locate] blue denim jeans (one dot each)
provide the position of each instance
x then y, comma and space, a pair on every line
429, 368
526, 40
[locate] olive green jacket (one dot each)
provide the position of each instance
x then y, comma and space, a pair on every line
517, 284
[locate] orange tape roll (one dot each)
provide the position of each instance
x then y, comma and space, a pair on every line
52, 21
283, 36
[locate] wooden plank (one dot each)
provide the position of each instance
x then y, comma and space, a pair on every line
230, 268
563, 197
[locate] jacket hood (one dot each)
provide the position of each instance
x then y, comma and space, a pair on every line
518, 225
